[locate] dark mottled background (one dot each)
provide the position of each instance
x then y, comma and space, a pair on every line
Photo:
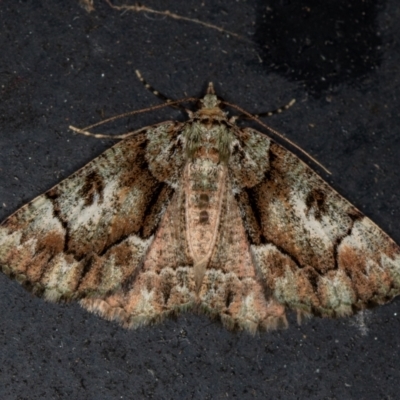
60, 64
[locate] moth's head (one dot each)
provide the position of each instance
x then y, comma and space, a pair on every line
210, 100
210, 105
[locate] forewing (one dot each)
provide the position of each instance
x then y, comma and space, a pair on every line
88, 235
313, 250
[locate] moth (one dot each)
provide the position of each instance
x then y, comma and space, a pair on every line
200, 215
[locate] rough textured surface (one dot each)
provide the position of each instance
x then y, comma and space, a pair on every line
61, 65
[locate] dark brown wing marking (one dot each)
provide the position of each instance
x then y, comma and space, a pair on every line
89, 234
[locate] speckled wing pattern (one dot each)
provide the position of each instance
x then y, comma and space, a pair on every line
200, 215
314, 251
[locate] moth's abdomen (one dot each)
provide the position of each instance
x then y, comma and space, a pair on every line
204, 185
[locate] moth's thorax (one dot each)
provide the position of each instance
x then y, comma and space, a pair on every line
208, 139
